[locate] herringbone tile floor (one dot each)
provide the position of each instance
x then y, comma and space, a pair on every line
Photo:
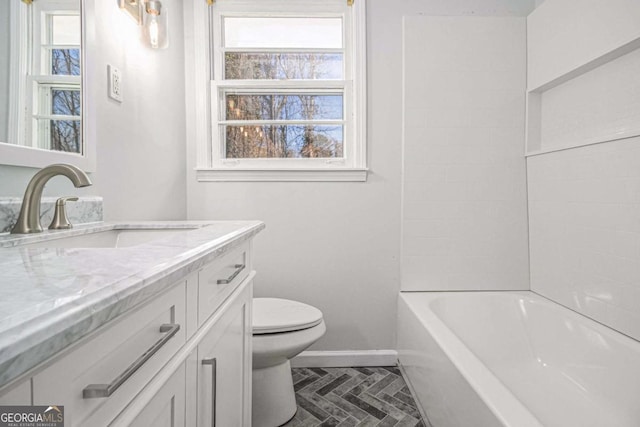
362, 397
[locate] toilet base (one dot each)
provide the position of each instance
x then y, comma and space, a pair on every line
274, 401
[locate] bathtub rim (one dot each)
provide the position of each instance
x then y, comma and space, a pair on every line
506, 407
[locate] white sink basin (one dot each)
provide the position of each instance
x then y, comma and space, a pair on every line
122, 238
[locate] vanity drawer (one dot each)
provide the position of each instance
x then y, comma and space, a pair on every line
125, 355
217, 280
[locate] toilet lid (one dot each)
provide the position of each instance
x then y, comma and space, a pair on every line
273, 315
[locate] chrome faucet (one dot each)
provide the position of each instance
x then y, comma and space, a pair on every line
29, 218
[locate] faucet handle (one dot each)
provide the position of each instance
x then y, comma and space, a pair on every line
63, 200
60, 220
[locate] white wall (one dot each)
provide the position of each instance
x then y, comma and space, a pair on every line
584, 202
464, 201
140, 143
585, 231
337, 245
141, 152
564, 35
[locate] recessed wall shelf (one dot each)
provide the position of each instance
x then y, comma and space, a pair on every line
586, 105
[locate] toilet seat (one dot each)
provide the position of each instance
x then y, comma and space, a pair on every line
276, 315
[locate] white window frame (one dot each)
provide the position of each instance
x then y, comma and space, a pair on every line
204, 106
39, 133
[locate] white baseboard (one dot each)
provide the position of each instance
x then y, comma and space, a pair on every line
345, 359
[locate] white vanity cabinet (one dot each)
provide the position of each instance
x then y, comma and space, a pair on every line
19, 394
181, 359
167, 407
224, 367
99, 377
217, 391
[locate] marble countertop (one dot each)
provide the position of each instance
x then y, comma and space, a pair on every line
52, 297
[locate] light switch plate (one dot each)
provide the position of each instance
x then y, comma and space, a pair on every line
115, 83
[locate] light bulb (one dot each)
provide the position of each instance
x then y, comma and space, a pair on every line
153, 31
153, 9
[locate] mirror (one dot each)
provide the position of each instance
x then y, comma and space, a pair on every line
41, 69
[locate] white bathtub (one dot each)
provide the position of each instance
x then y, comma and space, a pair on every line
515, 359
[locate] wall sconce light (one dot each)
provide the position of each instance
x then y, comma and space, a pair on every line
156, 24
153, 17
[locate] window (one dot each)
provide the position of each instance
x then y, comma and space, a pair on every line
286, 91
55, 76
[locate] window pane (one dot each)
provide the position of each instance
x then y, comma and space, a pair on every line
284, 107
66, 135
283, 32
65, 62
284, 141
65, 29
65, 102
283, 66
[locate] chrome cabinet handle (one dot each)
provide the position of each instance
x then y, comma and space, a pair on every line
106, 390
239, 268
214, 368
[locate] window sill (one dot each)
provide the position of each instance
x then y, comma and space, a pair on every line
282, 175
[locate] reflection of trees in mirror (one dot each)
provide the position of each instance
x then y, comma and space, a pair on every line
65, 135
65, 102
65, 62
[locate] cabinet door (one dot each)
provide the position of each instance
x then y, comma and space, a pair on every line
17, 395
167, 407
224, 367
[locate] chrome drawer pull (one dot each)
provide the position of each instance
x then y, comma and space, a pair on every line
214, 367
239, 268
106, 390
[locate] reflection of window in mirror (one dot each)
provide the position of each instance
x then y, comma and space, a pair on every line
44, 104
55, 77
43, 85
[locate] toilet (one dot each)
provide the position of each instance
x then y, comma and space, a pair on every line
281, 330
